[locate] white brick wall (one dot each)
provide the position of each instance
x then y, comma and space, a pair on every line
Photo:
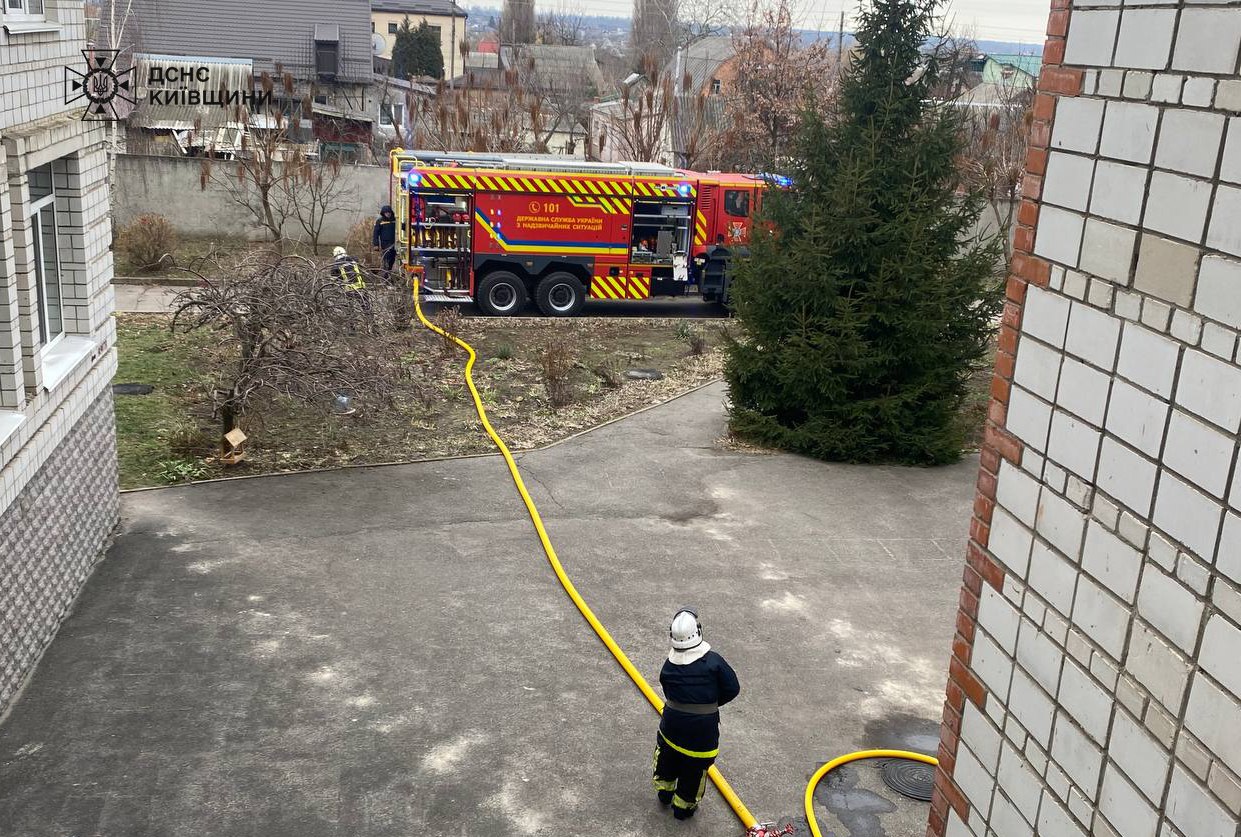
37, 127
1112, 659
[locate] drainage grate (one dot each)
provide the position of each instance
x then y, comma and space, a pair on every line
909, 778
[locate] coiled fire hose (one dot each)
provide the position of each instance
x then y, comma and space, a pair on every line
751, 825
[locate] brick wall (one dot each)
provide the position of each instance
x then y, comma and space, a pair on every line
1095, 682
50, 540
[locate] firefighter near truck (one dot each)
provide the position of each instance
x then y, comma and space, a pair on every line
501, 231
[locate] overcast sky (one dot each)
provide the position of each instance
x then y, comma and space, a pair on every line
997, 20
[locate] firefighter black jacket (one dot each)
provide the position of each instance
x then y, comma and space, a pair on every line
709, 679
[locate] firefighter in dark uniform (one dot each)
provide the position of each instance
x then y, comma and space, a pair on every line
383, 238
697, 682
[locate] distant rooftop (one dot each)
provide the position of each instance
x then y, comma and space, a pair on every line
1030, 64
441, 8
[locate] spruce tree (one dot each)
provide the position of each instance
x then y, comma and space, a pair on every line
417, 52
865, 302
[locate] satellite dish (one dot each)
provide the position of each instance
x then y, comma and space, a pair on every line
378, 44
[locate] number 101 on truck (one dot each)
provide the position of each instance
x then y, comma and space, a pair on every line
501, 231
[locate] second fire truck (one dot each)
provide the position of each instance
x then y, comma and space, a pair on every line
500, 231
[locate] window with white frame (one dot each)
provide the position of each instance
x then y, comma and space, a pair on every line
46, 253
392, 113
23, 9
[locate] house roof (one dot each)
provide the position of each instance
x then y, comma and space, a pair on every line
282, 35
556, 68
702, 60
441, 8
1029, 64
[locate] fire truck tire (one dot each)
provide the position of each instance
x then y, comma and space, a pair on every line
560, 295
502, 294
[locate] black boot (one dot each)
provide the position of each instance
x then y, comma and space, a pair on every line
665, 797
682, 813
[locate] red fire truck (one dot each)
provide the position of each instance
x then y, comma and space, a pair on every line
500, 230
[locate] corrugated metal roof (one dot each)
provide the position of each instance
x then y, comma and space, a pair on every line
702, 60
1032, 64
557, 68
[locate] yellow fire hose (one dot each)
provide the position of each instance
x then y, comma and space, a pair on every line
725, 789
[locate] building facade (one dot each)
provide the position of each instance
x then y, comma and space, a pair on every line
316, 53
1095, 678
443, 16
58, 488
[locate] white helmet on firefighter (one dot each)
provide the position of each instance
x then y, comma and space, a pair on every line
337, 252
685, 630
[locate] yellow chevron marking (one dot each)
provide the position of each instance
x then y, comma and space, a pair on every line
639, 287
592, 187
527, 185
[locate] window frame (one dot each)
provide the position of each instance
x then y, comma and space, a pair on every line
22, 13
730, 208
40, 278
323, 48
393, 28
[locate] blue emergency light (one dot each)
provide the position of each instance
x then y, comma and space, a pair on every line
413, 179
684, 190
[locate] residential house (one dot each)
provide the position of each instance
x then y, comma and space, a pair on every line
446, 19
701, 76
707, 67
1007, 83
1012, 70
58, 488
316, 51
566, 79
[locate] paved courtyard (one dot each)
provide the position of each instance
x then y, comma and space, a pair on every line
385, 651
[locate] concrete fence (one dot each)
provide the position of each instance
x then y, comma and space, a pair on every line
172, 187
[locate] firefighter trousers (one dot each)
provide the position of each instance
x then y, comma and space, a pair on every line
683, 776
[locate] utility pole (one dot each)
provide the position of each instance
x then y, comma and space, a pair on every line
840, 42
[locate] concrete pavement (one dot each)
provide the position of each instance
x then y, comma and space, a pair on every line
385, 651
144, 298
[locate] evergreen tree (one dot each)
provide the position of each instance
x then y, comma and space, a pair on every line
865, 304
417, 51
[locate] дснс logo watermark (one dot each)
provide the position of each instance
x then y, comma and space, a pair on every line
101, 85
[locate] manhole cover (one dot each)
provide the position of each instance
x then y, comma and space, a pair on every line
644, 374
910, 778
132, 389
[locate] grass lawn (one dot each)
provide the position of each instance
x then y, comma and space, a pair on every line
171, 433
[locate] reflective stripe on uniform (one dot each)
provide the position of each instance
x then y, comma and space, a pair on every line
660, 784
694, 754
686, 805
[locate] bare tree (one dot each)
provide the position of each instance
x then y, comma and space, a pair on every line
479, 115
778, 76
993, 159
653, 33
291, 328
315, 189
562, 27
637, 125
255, 178
517, 22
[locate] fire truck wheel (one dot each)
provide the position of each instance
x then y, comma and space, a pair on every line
560, 295
502, 294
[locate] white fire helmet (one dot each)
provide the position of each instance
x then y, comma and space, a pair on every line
686, 630
337, 252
